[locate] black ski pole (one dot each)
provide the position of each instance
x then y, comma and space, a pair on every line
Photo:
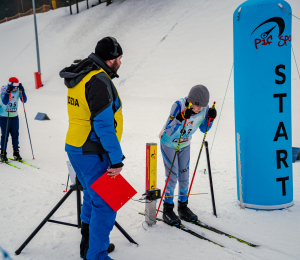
125, 233
209, 119
6, 130
27, 124
210, 180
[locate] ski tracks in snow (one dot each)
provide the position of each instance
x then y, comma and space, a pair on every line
122, 83
33, 40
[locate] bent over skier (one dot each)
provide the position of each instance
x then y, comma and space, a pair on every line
196, 117
9, 120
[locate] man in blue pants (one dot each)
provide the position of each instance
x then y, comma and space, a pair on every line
9, 119
97, 217
93, 139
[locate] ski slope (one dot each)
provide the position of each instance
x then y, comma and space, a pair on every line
169, 46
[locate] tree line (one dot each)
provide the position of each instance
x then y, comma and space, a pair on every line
9, 8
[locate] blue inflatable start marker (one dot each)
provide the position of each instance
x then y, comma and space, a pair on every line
262, 97
296, 154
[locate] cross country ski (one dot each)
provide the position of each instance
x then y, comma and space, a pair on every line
208, 227
187, 230
21, 161
10, 164
203, 225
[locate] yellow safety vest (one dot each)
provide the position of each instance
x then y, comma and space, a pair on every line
80, 114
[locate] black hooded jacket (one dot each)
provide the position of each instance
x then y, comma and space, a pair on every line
99, 93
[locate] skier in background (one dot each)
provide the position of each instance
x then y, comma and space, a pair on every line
197, 117
9, 120
93, 139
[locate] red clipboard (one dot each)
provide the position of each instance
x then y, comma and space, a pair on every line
114, 191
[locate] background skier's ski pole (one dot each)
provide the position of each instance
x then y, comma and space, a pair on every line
210, 180
27, 124
209, 119
6, 132
182, 133
67, 183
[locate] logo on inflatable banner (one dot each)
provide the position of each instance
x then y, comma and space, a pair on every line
266, 39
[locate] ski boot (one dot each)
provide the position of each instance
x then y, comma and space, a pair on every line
3, 157
169, 216
17, 154
185, 213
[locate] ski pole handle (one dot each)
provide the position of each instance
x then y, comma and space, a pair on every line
209, 118
214, 105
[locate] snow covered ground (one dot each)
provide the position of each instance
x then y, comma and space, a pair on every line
169, 46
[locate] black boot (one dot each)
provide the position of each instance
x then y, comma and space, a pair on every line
17, 155
84, 244
111, 247
169, 216
3, 157
185, 213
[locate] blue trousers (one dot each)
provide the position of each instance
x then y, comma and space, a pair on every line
95, 211
13, 130
180, 171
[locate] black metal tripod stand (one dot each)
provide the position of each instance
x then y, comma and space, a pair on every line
78, 188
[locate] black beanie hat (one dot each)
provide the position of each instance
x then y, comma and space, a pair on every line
106, 49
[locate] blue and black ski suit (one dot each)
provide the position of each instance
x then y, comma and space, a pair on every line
169, 141
9, 116
93, 142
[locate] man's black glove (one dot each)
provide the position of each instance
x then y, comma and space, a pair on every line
185, 114
212, 113
21, 88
